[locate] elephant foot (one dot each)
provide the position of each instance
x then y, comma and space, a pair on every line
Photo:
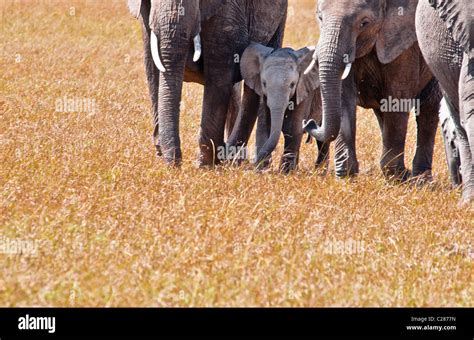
159, 153
397, 174
347, 169
420, 171
322, 167
209, 158
176, 163
239, 163
287, 166
232, 155
172, 157
426, 176
467, 200
322, 162
423, 178
345, 161
466, 203
263, 165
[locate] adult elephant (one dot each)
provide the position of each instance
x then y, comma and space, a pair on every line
201, 41
389, 76
445, 31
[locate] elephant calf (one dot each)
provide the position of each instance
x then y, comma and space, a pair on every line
289, 95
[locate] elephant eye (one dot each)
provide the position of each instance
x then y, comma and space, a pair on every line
292, 85
365, 22
264, 84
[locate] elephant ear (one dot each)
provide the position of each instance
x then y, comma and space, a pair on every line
251, 65
458, 16
308, 83
398, 31
209, 8
134, 6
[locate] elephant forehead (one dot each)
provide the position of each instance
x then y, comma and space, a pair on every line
345, 7
174, 11
283, 61
279, 73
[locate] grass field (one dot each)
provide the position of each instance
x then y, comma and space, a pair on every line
104, 223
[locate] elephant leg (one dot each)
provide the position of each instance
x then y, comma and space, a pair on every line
293, 133
466, 167
233, 110
322, 161
345, 160
152, 74
263, 127
263, 132
214, 112
246, 119
290, 159
427, 124
466, 95
394, 132
451, 141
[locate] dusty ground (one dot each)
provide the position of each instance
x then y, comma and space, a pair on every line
104, 223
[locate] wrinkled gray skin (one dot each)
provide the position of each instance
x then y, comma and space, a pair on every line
378, 37
445, 31
226, 28
289, 97
451, 141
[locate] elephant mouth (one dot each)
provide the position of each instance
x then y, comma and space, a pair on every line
155, 53
345, 74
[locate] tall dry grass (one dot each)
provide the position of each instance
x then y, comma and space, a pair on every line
113, 226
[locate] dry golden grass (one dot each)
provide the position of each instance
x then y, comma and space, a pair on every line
116, 227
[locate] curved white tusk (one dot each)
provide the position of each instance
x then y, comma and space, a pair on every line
310, 67
347, 71
155, 53
197, 48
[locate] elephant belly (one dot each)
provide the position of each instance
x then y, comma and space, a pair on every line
369, 82
263, 23
241, 22
404, 78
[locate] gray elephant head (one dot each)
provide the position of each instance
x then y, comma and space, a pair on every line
172, 22
169, 22
278, 76
351, 29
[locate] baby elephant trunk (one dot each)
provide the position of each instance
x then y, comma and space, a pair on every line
277, 117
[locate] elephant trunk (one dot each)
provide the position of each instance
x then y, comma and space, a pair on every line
331, 66
169, 92
173, 54
277, 118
